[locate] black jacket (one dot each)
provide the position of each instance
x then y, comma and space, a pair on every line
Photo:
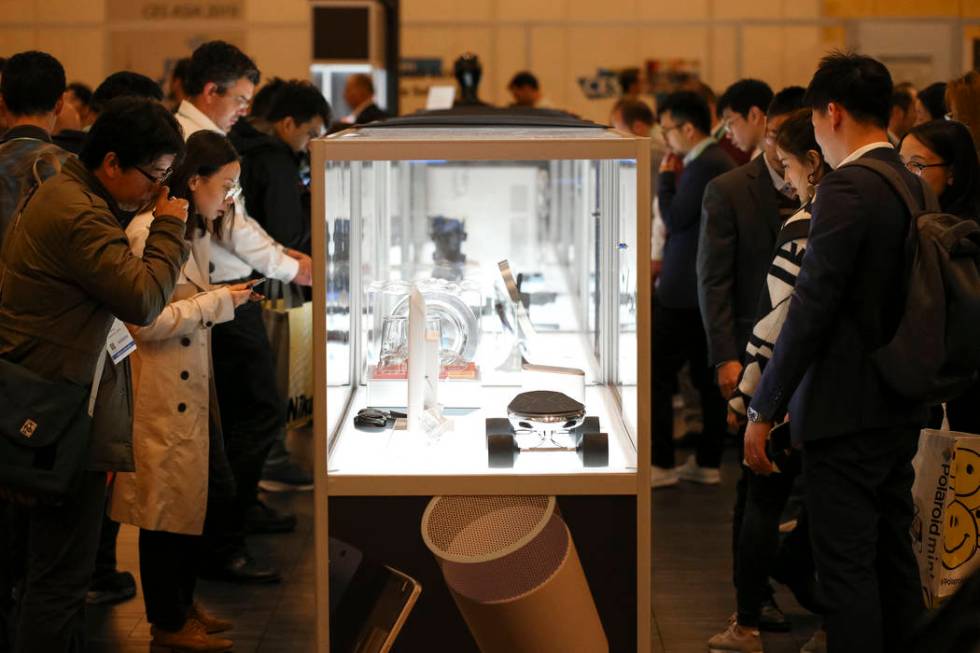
847, 302
271, 185
680, 206
371, 113
739, 225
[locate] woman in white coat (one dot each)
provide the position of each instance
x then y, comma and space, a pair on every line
177, 443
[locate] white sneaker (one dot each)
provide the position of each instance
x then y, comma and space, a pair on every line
691, 471
660, 477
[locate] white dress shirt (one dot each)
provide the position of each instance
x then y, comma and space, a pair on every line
244, 246
861, 151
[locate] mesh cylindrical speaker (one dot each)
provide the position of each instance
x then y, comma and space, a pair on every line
512, 568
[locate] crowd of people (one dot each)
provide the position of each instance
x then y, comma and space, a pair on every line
776, 278
134, 220
145, 220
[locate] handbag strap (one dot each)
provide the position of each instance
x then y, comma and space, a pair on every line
96, 382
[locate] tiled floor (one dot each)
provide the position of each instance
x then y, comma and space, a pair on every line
692, 583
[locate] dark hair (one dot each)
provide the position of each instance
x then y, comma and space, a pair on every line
705, 91
524, 78
181, 68
628, 77
796, 136
688, 106
138, 130
633, 110
902, 100
206, 153
299, 100
933, 98
788, 100
221, 63
32, 83
82, 92
744, 94
262, 100
860, 84
125, 83
951, 142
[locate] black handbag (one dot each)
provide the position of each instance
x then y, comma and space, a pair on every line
45, 426
45, 433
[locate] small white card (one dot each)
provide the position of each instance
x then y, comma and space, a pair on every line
440, 97
120, 343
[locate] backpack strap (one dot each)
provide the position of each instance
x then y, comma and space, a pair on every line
890, 175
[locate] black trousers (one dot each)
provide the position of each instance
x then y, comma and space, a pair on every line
758, 553
105, 557
61, 545
168, 573
678, 337
252, 415
859, 498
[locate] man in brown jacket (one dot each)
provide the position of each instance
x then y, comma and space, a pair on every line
68, 274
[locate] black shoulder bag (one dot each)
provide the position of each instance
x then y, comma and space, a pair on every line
45, 425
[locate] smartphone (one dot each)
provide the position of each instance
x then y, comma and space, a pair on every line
779, 446
257, 282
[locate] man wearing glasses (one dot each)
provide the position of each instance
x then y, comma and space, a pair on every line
220, 83
678, 334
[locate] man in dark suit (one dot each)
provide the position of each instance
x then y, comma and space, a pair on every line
743, 211
359, 96
678, 334
858, 436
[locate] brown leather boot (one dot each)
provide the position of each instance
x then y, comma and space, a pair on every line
212, 624
192, 638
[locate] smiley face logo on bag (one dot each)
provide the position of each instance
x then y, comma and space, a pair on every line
967, 472
967, 478
960, 539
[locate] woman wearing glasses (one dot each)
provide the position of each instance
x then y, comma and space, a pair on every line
942, 152
944, 155
177, 445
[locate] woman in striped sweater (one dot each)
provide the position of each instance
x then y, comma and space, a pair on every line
758, 552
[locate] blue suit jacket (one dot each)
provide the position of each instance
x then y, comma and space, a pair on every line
680, 206
847, 302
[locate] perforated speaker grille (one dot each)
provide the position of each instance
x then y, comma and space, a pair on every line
474, 529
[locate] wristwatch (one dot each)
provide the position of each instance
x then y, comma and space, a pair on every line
753, 415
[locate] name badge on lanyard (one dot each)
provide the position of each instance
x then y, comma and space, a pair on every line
120, 343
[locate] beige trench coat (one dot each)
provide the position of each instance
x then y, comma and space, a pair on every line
171, 371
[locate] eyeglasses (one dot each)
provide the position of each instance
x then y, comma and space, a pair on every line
667, 129
916, 168
232, 192
162, 179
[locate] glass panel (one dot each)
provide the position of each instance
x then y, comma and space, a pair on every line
628, 268
339, 326
522, 262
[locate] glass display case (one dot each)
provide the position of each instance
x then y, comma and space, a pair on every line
528, 246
